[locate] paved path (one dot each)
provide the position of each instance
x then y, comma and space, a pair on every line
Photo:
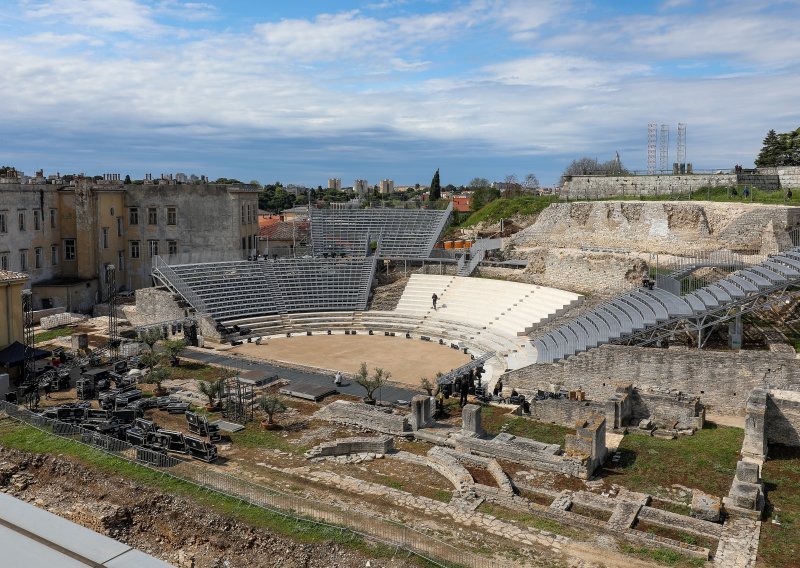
388, 393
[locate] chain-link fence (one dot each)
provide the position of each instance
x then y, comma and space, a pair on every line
348, 522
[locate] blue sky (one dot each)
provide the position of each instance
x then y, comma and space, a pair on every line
301, 91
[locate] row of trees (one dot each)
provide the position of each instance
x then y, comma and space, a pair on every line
780, 149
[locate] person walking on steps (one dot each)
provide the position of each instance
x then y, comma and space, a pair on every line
337, 379
434, 299
464, 392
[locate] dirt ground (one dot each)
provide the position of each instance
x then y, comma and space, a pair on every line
406, 359
169, 527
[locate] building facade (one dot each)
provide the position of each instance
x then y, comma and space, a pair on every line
335, 183
361, 186
387, 186
11, 285
63, 235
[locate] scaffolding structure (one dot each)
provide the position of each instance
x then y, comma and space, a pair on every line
651, 147
663, 149
681, 157
113, 332
238, 399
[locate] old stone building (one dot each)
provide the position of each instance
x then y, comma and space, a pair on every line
65, 234
11, 284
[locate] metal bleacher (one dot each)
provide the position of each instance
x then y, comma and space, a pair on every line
235, 289
402, 233
643, 316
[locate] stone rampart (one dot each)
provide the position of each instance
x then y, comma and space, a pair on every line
365, 416
676, 228
357, 445
721, 379
596, 187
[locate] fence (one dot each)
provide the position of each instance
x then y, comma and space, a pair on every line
348, 522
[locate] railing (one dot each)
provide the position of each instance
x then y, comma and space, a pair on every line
478, 253
350, 523
160, 266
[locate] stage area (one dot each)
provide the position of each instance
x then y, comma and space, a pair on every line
406, 359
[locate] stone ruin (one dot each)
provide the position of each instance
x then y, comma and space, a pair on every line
365, 416
381, 445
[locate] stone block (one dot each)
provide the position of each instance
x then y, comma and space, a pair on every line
747, 472
706, 507
745, 495
471, 420
646, 424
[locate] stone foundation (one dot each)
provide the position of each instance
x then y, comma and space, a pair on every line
346, 446
365, 416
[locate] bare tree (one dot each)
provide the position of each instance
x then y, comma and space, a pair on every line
531, 182
478, 183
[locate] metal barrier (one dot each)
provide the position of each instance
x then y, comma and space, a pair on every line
348, 522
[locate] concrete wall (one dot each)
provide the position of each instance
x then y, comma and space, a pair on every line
659, 227
721, 379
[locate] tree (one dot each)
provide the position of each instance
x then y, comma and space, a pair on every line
174, 348
151, 360
151, 337
478, 183
483, 196
373, 382
271, 405
590, 166
127, 180
156, 376
211, 389
531, 182
436, 188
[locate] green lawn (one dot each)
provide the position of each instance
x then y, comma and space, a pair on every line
780, 544
706, 461
506, 207
50, 334
495, 420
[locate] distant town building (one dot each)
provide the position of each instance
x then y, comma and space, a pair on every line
387, 186
361, 186
462, 202
335, 183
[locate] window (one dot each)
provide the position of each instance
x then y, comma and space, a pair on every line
172, 247
69, 249
4, 261
53, 255
52, 218
172, 216
133, 216
3, 226
105, 237
152, 216
22, 220
23, 260
121, 260
38, 254
244, 243
119, 226
249, 213
134, 249
242, 214
37, 220
153, 248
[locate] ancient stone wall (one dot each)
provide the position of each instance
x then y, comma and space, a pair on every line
154, 305
782, 418
721, 379
677, 228
564, 412
789, 175
595, 187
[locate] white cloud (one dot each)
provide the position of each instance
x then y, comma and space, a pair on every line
100, 15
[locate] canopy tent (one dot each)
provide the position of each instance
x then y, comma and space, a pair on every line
14, 355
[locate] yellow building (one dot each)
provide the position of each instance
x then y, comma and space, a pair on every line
11, 285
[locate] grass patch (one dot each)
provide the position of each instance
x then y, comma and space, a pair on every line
495, 420
51, 334
677, 508
716, 194
663, 555
676, 534
508, 206
253, 437
27, 438
649, 463
780, 544
443, 496
530, 520
592, 513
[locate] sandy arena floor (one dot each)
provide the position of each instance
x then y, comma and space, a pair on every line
406, 359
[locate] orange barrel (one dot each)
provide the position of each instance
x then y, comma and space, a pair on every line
459, 244
448, 244
438, 245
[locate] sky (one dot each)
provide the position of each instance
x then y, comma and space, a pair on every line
302, 91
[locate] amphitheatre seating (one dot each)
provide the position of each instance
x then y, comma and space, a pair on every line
236, 291
643, 308
402, 233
